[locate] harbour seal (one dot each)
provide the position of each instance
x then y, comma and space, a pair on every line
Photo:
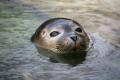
62, 40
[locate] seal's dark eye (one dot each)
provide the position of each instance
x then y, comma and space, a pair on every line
54, 33
78, 30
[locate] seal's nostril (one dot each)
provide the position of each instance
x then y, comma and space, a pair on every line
74, 38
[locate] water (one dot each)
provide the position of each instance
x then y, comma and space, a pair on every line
19, 60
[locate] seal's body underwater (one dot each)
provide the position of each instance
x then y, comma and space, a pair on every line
63, 40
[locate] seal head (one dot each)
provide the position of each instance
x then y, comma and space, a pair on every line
62, 39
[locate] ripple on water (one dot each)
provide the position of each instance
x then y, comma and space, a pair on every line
19, 60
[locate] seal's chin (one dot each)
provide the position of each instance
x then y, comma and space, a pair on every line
71, 48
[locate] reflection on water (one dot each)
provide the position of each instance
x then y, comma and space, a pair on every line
19, 59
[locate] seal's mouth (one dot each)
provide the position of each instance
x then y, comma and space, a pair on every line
68, 51
75, 48
69, 48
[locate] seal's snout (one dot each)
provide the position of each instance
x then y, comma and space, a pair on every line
74, 38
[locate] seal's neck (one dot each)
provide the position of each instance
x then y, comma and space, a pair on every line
72, 58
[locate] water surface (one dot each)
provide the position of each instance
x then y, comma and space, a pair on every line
19, 60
